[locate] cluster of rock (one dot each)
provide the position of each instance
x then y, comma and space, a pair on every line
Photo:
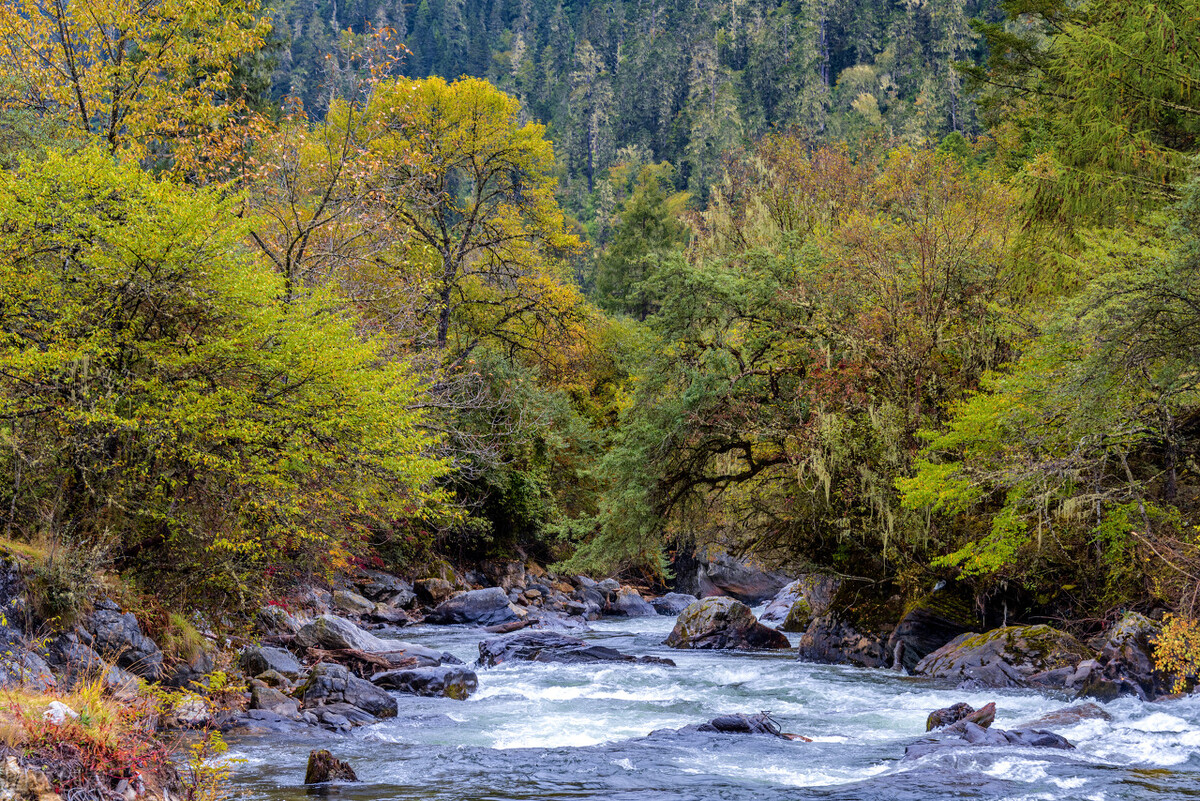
864, 624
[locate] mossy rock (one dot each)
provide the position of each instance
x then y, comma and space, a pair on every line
723, 623
798, 617
1004, 657
867, 606
930, 622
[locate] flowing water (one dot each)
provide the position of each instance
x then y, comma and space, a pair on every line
536, 731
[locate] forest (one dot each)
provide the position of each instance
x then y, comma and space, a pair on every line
896, 289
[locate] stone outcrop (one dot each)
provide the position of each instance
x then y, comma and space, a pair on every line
672, 603
449, 681
259, 659
1004, 657
330, 683
551, 646
928, 624
116, 636
489, 607
855, 628
723, 623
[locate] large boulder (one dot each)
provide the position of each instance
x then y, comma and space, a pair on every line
1004, 657
449, 681
117, 636
798, 603
723, 623
432, 591
272, 700
749, 583
351, 603
629, 603
928, 624
672, 603
551, 646
855, 628
1125, 665
258, 659
777, 610
386, 589
20, 666
488, 607
334, 684
273, 620
332, 633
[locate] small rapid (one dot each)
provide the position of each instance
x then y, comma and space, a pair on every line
550, 731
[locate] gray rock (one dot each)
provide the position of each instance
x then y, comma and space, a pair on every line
672, 603
190, 673
117, 636
331, 632
262, 658
834, 641
351, 603
1004, 657
928, 624
552, 646
432, 591
779, 606
270, 699
971, 735
723, 623
334, 684
386, 589
723, 574
450, 681
276, 620
629, 603
489, 607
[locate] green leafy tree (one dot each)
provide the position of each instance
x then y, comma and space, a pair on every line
156, 396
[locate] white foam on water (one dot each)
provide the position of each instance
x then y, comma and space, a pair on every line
1069, 784
627, 764
1017, 770
1159, 722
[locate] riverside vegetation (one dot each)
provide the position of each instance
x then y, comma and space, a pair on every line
897, 297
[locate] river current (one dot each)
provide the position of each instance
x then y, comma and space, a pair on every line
535, 731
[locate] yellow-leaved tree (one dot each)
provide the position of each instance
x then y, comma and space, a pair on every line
138, 74
473, 188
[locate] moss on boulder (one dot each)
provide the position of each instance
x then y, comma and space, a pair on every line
723, 623
1004, 657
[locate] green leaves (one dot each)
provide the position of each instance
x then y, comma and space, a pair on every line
160, 390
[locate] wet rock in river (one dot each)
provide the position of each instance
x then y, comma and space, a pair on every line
672, 603
488, 607
725, 575
324, 767
971, 735
449, 681
855, 627
929, 623
629, 603
940, 718
1067, 716
333, 684
720, 622
552, 646
1004, 657
330, 633
760, 723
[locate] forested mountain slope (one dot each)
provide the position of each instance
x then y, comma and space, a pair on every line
669, 80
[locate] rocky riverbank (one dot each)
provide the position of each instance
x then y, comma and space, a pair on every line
335, 657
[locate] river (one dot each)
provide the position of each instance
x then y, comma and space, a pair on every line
546, 732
